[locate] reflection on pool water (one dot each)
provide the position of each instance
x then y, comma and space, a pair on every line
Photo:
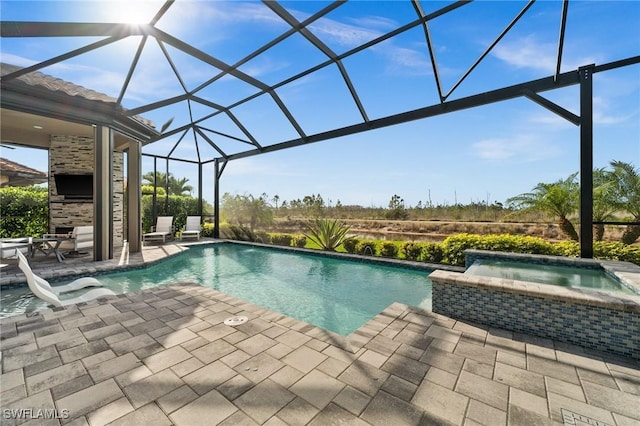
565, 276
338, 295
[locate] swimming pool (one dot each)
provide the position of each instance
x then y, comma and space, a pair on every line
335, 294
561, 275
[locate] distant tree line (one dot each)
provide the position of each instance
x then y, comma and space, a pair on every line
616, 197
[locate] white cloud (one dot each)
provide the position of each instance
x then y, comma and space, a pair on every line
550, 120
522, 149
12, 59
220, 13
263, 65
602, 113
529, 52
345, 35
409, 60
375, 22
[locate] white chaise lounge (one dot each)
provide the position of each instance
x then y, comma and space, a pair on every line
162, 231
45, 291
192, 228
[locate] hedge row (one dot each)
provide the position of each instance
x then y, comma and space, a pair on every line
24, 211
451, 250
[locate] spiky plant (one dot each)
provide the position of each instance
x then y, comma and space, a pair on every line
327, 233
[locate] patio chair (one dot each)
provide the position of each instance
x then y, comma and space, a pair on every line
82, 237
162, 230
43, 290
192, 228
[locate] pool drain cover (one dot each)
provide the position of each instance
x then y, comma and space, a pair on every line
233, 321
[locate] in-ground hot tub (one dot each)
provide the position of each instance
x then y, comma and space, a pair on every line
592, 318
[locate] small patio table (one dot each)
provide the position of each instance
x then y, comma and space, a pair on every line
49, 246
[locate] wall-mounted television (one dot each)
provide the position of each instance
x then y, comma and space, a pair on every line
74, 186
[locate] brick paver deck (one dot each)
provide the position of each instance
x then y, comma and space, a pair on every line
164, 356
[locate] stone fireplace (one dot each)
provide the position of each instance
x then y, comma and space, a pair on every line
75, 155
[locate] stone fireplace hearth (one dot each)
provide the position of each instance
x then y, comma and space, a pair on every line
75, 155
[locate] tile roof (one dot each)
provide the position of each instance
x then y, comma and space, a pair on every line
10, 166
54, 84
37, 78
20, 175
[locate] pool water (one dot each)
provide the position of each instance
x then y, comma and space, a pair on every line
565, 276
335, 294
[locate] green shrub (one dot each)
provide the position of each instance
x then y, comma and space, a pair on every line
566, 249
207, 229
300, 241
148, 190
432, 252
389, 249
24, 211
361, 247
454, 246
616, 251
281, 239
411, 251
350, 244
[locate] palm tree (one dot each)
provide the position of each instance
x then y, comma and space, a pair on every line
175, 186
258, 210
158, 179
558, 199
604, 200
627, 189
179, 186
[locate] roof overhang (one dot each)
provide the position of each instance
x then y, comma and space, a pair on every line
24, 105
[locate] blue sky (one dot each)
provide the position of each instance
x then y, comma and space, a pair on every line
488, 153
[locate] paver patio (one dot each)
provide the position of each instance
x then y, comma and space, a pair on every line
164, 356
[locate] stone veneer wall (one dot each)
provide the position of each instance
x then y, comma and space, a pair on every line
75, 154
591, 320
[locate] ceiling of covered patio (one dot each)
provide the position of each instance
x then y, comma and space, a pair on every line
245, 96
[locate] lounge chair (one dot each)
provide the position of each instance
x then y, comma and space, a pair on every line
43, 290
162, 231
192, 228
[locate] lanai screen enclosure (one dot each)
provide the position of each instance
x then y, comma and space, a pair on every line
204, 122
